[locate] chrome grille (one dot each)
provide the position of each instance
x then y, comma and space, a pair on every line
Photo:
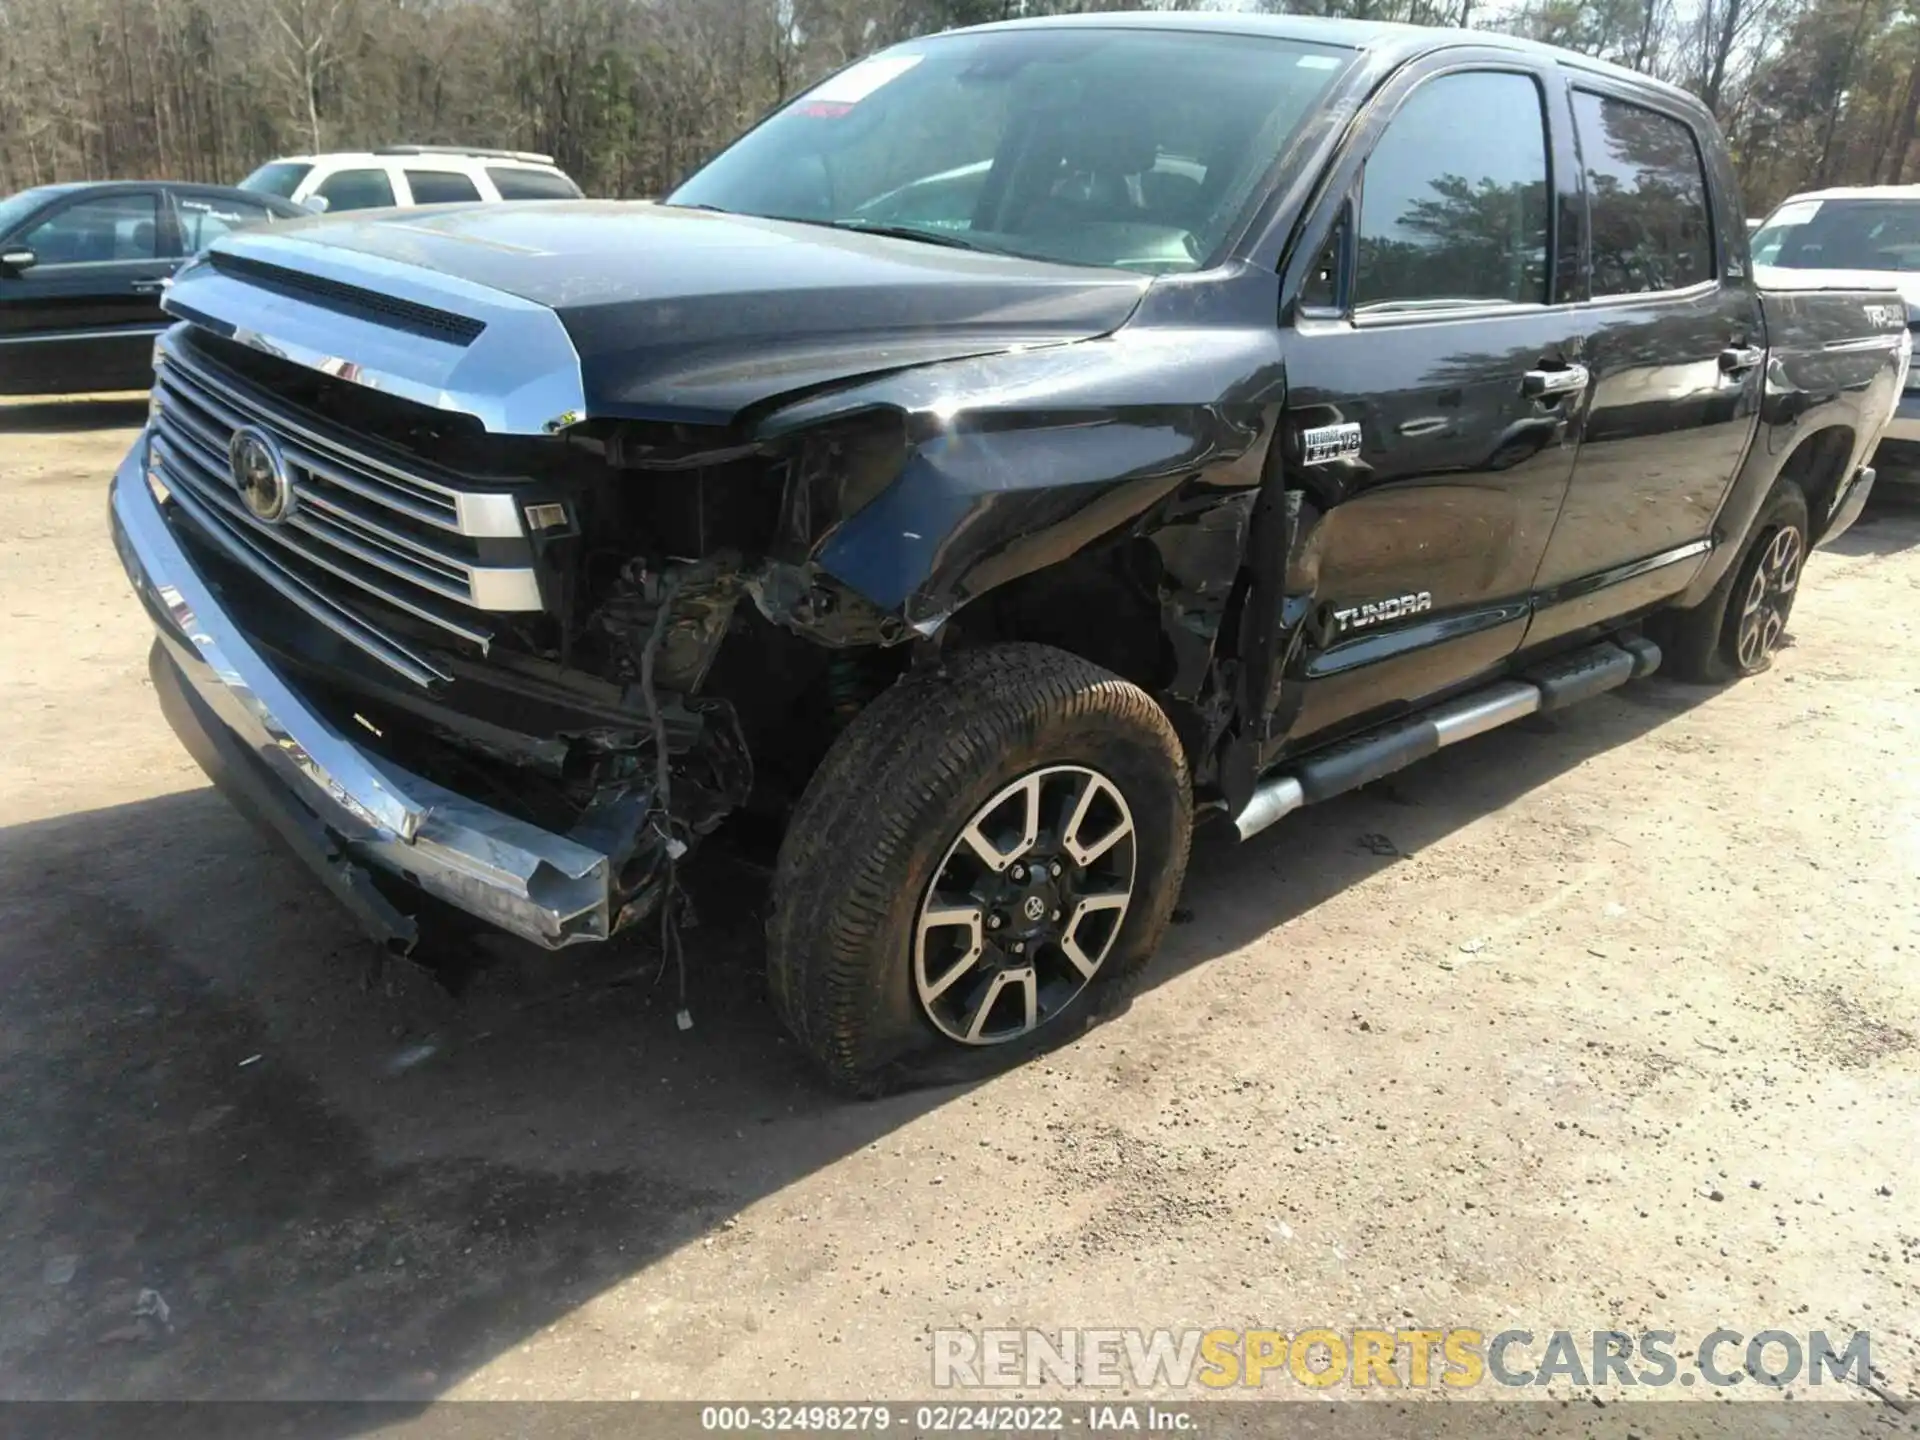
358, 520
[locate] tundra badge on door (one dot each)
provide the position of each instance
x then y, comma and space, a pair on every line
1379, 612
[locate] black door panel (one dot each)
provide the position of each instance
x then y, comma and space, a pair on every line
1665, 433
1452, 499
1438, 342
1675, 352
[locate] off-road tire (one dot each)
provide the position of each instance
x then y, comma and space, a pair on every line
1702, 644
889, 801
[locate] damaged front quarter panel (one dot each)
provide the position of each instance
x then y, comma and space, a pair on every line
1009, 464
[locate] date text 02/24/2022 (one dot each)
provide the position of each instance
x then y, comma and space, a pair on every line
944, 1418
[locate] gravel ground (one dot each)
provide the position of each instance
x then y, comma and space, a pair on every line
1604, 1021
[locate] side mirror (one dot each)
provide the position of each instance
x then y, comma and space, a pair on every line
318, 204
17, 258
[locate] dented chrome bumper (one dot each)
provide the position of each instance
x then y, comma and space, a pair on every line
1848, 504
342, 809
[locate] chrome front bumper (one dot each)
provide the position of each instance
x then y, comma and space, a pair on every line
337, 805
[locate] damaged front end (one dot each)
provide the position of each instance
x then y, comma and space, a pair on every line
657, 623
526, 664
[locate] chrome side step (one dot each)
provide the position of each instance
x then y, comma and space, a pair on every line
1377, 753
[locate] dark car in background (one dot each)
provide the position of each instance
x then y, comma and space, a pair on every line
81, 271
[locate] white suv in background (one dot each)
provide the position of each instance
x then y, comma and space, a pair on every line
411, 175
1859, 236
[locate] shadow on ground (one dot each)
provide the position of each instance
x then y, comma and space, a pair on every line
366, 1191
68, 416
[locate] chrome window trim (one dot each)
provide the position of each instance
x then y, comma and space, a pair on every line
1490, 310
1699, 290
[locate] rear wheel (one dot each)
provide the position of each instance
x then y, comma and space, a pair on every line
1736, 630
983, 861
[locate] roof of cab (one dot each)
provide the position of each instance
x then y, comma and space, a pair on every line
1387, 37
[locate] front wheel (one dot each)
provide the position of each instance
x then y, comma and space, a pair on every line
984, 859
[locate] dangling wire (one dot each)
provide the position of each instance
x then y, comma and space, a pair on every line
663, 796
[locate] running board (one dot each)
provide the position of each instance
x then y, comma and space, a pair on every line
1377, 753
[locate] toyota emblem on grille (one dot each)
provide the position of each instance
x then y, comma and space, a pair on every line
260, 473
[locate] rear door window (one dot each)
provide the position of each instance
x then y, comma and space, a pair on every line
1650, 219
204, 219
441, 187
1454, 197
516, 182
102, 229
356, 190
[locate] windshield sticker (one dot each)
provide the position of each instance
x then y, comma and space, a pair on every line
1798, 213
854, 84
1315, 62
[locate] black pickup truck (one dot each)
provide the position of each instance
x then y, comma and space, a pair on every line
1027, 439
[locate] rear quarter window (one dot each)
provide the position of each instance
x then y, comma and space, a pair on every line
441, 187
516, 183
1650, 220
356, 190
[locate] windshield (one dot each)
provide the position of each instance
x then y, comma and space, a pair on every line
1127, 148
281, 178
1841, 235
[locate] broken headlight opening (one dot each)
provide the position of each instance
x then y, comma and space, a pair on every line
633, 712
638, 702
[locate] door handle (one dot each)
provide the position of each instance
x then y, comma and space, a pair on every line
148, 287
1555, 384
1738, 358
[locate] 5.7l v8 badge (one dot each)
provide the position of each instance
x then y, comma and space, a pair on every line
1324, 444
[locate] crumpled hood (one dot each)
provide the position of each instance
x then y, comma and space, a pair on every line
693, 315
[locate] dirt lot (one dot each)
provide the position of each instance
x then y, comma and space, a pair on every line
1604, 1022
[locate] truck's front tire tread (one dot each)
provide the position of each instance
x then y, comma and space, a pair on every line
889, 798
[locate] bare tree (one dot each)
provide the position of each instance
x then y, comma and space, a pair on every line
303, 38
